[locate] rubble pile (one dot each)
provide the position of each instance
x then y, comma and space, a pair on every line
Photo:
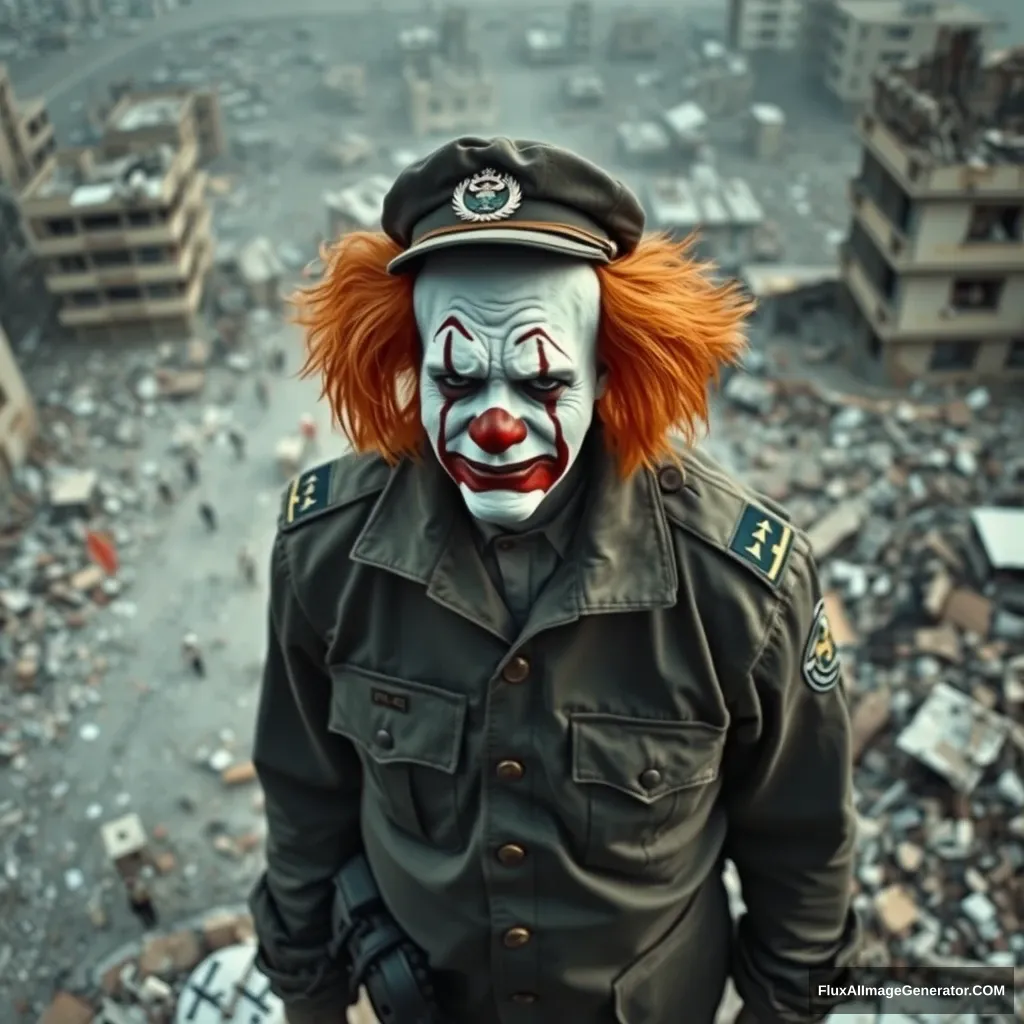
926, 604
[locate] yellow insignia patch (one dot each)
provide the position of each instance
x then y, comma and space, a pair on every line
763, 541
820, 664
309, 492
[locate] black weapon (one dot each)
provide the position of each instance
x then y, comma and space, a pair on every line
383, 959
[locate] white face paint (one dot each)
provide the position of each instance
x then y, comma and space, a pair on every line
509, 375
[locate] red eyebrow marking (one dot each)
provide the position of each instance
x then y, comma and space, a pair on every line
539, 332
453, 323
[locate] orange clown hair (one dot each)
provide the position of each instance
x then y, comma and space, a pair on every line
667, 328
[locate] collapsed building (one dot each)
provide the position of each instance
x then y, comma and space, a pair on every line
27, 142
172, 116
934, 260
848, 41
636, 37
644, 143
447, 89
345, 86
546, 42
721, 82
124, 238
724, 211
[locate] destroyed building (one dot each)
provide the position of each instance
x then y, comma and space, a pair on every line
544, 45
546, 42
174, 117
356, 208
18, 422
447, 90
27, 142
774, 25
124, 239
584, 88
635, 37
934, 261
721, 82
687, 125
644, 143
448, 97
849, 40
345, 86
580, 30
724, 211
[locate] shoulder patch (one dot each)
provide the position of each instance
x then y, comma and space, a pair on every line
819, 664
309, 493
763, 541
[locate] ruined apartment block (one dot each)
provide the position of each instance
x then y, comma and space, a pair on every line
934, 262
27, 141
18, 422
447, 90
850, 40
447, 99
773, 25
124, 238
175, 117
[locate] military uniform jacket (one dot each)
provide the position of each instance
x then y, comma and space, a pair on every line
547, 811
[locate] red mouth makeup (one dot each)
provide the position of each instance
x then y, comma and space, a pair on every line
537, 474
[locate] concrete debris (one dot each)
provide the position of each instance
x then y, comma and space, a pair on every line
924, 612
126, 788
954, 736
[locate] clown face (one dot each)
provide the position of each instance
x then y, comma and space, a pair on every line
509, 375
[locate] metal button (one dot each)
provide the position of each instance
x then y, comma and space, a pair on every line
516, 938
505, 544
510, 771
670, 479
516, 671
524, 998
650, 779
384, 739
511, 855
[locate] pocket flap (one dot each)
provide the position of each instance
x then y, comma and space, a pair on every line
397, 720
644, 758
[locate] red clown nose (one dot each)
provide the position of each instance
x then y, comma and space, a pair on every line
495, 431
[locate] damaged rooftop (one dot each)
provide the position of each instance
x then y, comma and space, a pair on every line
956, 107
89, 177
151, 112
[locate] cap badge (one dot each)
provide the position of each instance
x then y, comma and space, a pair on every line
488, 196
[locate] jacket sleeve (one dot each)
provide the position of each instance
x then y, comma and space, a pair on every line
311, 781
791, 820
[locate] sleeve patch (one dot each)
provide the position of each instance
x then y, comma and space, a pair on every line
820, 663
309, 492
763, 541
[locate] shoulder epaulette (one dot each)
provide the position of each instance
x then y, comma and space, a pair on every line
752, 530
329, 487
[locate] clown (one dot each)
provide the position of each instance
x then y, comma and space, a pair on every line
531, 654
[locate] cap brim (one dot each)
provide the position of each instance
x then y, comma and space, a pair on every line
518, 237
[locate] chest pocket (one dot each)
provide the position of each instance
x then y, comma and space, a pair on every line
647, 787
409, 736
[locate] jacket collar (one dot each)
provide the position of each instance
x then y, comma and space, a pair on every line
622, 558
